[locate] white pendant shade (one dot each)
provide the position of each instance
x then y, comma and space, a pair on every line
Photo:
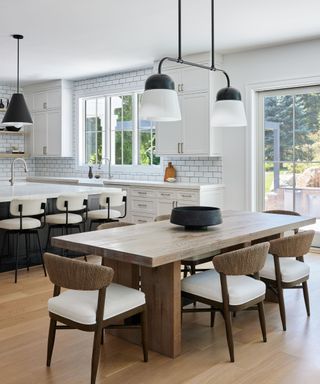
229, 113
160, 105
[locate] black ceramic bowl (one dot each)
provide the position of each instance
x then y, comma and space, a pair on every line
196, 217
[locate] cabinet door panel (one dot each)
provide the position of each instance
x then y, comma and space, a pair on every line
196, 126
39, 133
165, 207
40, 101
195, 80
54, 99
168, 137
54, 133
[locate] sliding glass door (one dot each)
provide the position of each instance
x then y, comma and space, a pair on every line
290, 121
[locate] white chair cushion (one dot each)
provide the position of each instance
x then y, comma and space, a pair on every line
291, 269
14, 224
242, 289
81, 306
60, 218
101, 214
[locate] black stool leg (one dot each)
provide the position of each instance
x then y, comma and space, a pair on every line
48, 238
41, 257
17, 258
26, 238
3, 246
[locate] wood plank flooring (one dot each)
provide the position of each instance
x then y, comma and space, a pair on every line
288, 357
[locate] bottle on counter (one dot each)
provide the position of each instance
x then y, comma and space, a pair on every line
90, 173
1, 104
170, 172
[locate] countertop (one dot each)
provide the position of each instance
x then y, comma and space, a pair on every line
42, 190
115, 182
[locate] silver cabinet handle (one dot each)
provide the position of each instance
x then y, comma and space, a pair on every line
165, 194
179, 89
181, 147
186, 195
44, 150
44, 105
178, 147
142, 193
176, 203
182, 88
142, 205
173, 204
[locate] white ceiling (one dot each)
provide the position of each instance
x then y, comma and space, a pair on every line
82, 38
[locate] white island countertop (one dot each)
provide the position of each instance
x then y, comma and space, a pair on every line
114, 182
42, 190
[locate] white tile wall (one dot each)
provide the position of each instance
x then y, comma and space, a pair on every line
8, 141
189, 170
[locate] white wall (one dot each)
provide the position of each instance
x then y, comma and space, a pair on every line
295, 64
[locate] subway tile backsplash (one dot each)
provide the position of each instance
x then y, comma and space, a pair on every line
205, 170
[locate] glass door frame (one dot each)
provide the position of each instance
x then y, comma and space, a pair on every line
260, 134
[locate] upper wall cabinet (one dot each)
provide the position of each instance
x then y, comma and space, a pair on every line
51, 109
194, 134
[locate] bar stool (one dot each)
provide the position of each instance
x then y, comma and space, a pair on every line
27, 215
106, 213
74, 213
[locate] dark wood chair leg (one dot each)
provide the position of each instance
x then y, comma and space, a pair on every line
17, 258
41, 253
144, 335
27, 250
51, 338
193, 269
282, 307
306, 297
95, 354
262, 321
102, 336
227, 320
185, 271
212, 317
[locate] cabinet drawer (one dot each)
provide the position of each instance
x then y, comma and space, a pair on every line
142, 205
143, 193
140, 219
167, 195
188, 195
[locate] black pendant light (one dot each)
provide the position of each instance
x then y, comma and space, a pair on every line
160, 101
17, 114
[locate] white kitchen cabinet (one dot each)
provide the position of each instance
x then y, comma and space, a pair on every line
51, 109
194, 135
144, 204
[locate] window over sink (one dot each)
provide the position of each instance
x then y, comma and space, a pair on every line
110, 128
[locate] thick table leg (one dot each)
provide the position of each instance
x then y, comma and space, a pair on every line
163, 295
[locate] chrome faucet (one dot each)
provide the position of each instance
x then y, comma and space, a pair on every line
109, 166
12, 168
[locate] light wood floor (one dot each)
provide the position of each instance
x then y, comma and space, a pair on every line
288, 357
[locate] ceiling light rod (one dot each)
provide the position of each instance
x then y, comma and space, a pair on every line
180, 60
18, 38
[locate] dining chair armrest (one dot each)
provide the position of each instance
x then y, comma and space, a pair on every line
245, 261
75, 274
292, 246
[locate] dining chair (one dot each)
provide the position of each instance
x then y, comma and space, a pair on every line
25, 219
190, 263
228, 288
110, 204
285, 268
73, 213
91, 303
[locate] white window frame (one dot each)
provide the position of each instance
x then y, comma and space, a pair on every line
135, 167
253, 169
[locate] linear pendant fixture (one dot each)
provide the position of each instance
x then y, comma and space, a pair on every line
17, 114
160, 100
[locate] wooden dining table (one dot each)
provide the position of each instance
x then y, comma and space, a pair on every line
150, 254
